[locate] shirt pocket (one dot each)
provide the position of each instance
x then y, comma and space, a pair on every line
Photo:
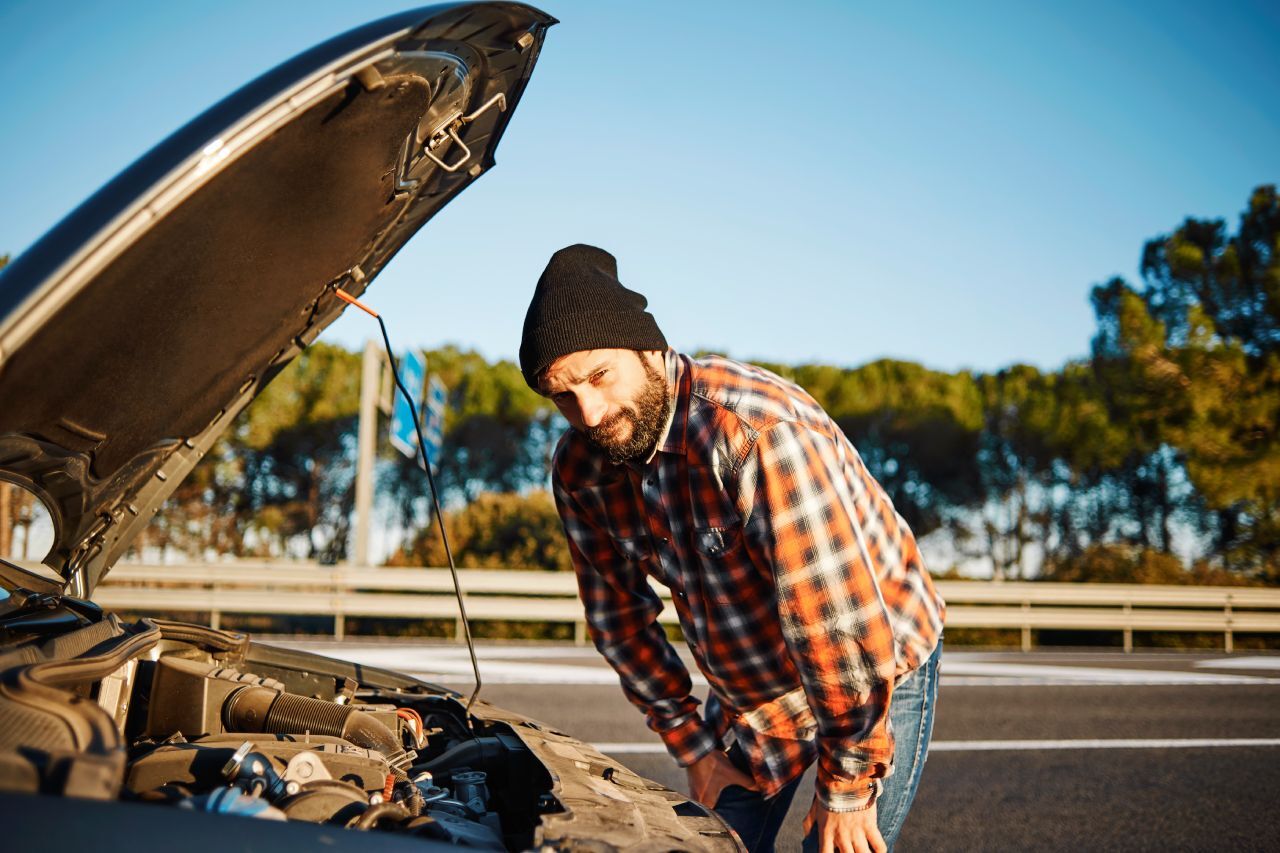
716, 529
717, 542
720, 563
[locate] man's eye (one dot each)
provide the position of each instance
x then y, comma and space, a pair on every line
598, 376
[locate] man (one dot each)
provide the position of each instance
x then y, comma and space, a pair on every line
799, 590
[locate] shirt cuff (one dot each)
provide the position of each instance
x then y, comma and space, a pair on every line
689, 741
857, 798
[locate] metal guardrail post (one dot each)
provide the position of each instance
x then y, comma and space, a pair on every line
1228, 640
1128, 627
1026, 627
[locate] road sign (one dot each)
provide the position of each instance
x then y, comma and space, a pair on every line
433, 423
412, 370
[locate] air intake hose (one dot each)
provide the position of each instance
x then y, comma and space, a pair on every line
267, 711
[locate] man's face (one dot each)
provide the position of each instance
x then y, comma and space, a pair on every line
617, 398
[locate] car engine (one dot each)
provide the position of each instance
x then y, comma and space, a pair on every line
187, 717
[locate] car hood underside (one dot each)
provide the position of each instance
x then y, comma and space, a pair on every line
133, 333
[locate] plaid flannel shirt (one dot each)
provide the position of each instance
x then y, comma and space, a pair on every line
799, 589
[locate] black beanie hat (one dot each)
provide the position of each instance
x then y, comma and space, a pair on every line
579, 304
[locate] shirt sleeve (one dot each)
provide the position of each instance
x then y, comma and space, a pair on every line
622, 621
815, 516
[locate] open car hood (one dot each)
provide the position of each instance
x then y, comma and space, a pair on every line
134, 332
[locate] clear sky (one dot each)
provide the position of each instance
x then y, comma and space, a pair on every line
941, 182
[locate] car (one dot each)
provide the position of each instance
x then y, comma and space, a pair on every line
131, 336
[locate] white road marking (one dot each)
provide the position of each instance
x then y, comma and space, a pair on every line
1147, 743
1172, 680
584, 666
994, 672
1241, 663
1017, 745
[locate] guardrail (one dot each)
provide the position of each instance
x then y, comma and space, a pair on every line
409, 593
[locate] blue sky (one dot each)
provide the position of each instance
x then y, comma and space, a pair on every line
835, 182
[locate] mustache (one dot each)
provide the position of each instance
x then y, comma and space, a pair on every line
602, 430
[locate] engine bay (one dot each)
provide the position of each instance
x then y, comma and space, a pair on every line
188, 717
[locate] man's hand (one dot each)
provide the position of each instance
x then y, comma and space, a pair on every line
845, 832
711, 773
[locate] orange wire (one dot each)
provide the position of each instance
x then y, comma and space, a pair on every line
351, 300
413, 717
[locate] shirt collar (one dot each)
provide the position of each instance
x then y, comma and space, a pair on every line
671, 439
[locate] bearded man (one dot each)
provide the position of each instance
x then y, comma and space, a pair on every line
799, 590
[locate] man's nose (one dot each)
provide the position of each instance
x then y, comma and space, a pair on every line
593, 408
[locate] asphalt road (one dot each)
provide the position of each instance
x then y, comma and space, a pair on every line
1093, 751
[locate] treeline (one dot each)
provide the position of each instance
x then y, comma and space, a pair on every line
1155, 459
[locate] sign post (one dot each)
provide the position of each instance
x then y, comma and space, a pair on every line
413, 370
370, 378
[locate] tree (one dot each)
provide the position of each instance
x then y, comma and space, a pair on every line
1015, 465
298, 450
281, 481
496, 531
1145, 390
1232, 280
1194, 361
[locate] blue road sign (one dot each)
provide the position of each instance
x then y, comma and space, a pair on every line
412, 370
433, 423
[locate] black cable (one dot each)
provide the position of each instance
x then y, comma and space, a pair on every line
435, 501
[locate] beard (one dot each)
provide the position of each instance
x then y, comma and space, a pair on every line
647, 417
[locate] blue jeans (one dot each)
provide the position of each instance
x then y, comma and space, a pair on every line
757, 819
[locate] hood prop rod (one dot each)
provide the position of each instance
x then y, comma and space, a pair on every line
431, 480
450, 131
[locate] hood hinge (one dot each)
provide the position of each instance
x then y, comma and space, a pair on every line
77, 563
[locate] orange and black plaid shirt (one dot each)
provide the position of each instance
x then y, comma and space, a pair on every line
799, 589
